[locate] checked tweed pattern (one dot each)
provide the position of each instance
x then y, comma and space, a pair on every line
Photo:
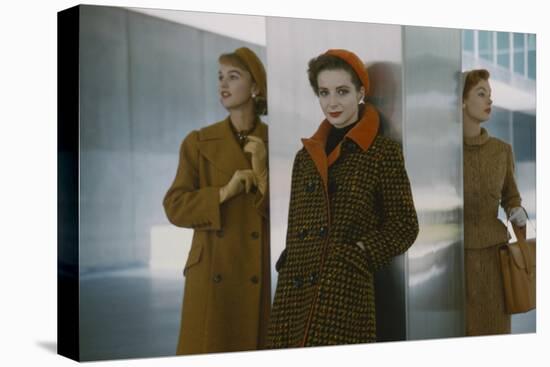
325, 290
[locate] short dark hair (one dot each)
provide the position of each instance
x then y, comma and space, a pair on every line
329, 62
471, 79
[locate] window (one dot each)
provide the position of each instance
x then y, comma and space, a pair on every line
531, 56
503, 49
524, 126
485, 39
468, 40
519, 53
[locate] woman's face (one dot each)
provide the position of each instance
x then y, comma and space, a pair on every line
235, 86
477, 105
338, 97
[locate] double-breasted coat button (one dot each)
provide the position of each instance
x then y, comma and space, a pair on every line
322, 231
219, 233
217, 278
298, 282
255, 235
310, 187
253, 189
302, 234
254, 279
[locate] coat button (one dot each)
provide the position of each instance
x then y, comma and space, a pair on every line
310, 187
217, 278
253, 189
254, 279
298, 282
255, 235
219, 233
322, 231
302, 234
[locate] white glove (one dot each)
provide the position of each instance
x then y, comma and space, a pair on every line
518, 216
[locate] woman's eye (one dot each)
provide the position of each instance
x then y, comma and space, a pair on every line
343, 92
234, 77
323, 93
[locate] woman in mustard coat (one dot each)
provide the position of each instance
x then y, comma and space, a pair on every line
221, 191
488, 181
351, 211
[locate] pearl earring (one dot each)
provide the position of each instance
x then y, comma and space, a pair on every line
362, 101
253, 95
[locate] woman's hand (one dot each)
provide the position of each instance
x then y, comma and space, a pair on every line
518, 216
242, 180
256, 147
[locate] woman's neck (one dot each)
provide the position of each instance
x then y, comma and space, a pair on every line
470, 127
243, 118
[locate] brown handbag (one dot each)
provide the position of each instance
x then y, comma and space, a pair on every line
518, 264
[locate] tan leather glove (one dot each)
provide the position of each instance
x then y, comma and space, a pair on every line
242, 180
256, 147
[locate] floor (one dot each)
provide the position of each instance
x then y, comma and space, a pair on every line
135, 313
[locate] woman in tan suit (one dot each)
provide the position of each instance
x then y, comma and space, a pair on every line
221, 191
488, 181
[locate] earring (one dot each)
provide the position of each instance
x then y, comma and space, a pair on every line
362, 101
253, 95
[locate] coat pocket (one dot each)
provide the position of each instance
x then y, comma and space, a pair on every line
354, 256
194, 257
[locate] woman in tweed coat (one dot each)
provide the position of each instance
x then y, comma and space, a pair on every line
351, 211
222, 193
488, 181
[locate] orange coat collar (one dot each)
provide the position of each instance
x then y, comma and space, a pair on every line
363, 134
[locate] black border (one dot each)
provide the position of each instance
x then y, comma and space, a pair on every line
68, 30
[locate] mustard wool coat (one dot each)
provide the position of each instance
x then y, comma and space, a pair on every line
359, 193
227, 280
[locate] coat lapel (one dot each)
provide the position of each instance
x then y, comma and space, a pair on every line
363, 134
218, 145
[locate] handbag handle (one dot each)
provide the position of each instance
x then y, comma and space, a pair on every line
521, 232
521, 236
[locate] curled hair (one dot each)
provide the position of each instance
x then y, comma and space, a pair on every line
329, 62
471, 78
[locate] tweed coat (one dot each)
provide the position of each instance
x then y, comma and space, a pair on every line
359, 193
227, 279
488, 181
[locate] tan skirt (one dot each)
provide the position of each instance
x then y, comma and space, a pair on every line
485, 310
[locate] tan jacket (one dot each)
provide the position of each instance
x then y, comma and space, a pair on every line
488, 181
227, 288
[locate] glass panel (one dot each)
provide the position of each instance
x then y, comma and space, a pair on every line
524, 136
468, 40
531, 56
519, 53
485, 45
503, 49
499, 124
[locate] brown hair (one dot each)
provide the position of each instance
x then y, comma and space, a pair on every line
260, 102
471, 78
329, 62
